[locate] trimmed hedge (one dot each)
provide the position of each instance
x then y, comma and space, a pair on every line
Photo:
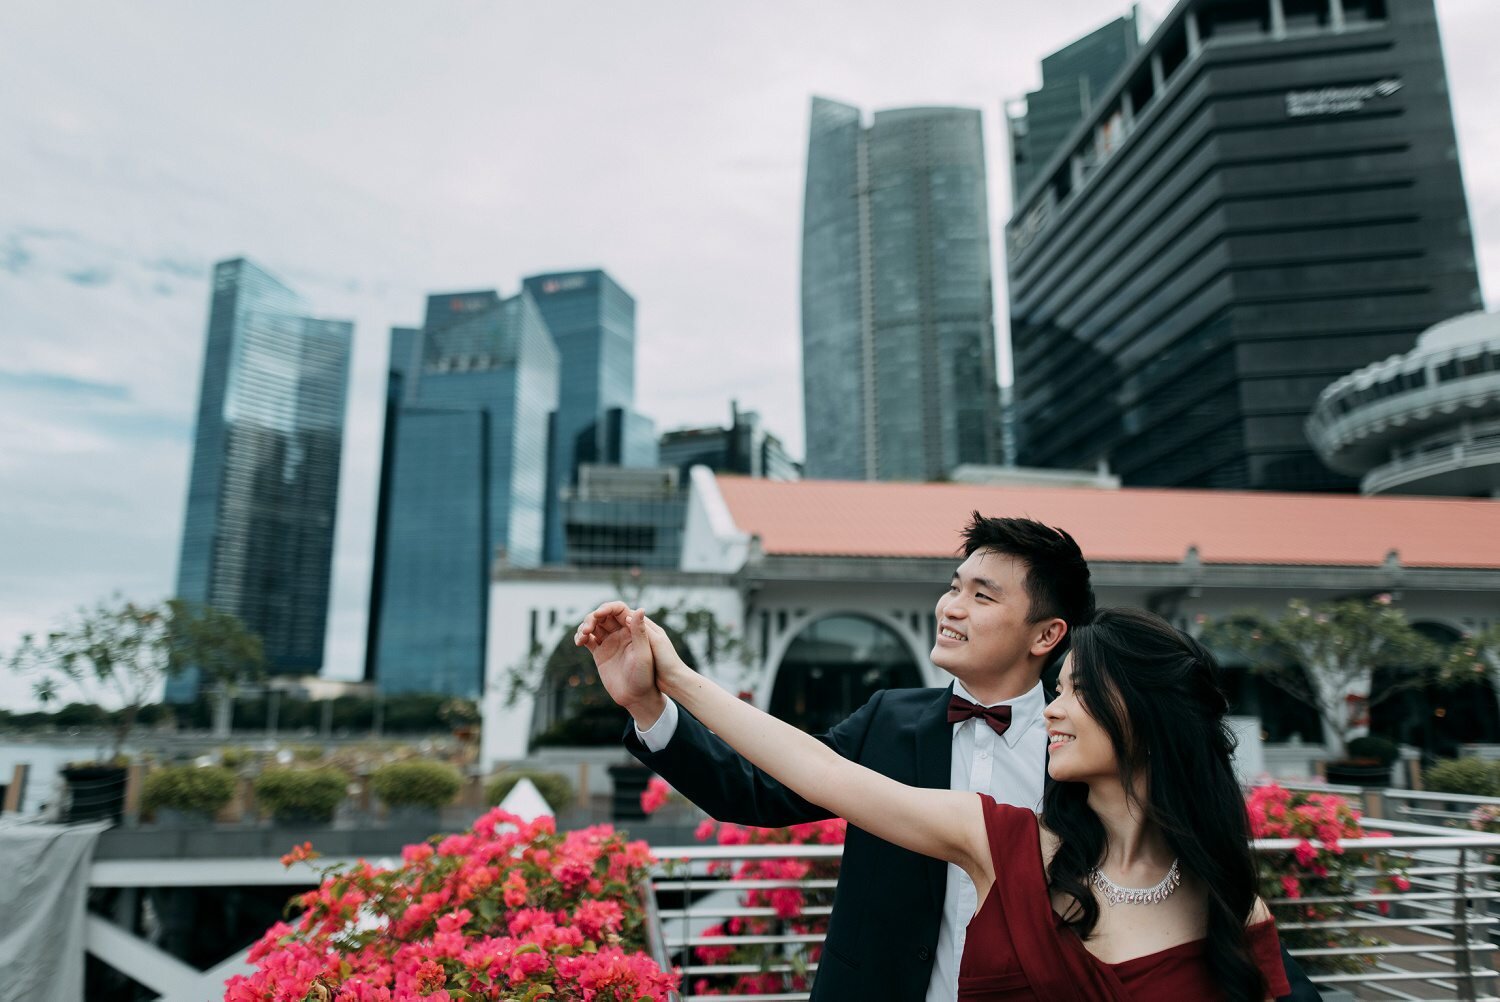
555, 789
416, 783
189, 788
301, 794
1475, 776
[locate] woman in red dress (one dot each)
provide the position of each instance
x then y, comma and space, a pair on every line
1136, 883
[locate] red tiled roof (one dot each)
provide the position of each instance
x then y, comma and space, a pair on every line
860, 518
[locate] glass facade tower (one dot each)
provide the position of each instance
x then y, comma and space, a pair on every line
1267, 197
263, 491
464, 482
898, 338
592, 320
1073, 78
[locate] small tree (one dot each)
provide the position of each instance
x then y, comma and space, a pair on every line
226, 654
1326, 656
121, 653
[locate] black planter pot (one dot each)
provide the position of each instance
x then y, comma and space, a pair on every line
95, 793
1357, 774
629, 783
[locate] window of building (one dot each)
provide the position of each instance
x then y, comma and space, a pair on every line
1142, 91
1062, 184
1361, 11
1305, 15
1173, 51
1413, 380
1234, 19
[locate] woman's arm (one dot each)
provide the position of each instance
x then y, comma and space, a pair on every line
945, 824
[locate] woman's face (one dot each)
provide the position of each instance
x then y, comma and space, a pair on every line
1078, 748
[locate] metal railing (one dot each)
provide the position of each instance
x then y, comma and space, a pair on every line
1432, 941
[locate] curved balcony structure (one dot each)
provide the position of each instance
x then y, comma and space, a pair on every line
1426, 422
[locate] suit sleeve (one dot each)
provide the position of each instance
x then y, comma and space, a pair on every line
1301, 987
706, 770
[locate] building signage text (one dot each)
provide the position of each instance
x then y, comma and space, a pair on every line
1338, 100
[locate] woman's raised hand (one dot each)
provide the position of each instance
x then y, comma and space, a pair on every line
623, 657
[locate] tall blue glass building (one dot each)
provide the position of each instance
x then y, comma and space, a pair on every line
592, 320
1073, 79
898, 334
263, 491
464, 481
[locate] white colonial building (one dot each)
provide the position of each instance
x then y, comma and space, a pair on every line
829, 587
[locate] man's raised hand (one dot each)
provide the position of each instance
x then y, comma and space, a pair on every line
624, 661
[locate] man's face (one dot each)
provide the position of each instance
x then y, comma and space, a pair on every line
982, 628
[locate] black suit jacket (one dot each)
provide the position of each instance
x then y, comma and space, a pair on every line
889, 900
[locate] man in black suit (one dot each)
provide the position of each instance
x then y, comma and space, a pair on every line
899, 919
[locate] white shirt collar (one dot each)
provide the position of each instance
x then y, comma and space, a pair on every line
1025, 710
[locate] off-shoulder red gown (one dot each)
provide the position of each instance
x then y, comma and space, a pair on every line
1019, 950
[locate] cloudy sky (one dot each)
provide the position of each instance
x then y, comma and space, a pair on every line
372, 152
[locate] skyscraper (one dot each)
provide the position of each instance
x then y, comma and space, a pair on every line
468, 403
1267, 197
744, 447
263, 492
1073, 78
592, 320
898, 339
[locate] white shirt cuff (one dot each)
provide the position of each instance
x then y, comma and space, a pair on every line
659, 735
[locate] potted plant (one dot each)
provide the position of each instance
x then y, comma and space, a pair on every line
415, 791
301, 796
1367, 762
187, 795
95, 790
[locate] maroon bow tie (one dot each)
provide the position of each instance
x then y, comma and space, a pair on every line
960, 709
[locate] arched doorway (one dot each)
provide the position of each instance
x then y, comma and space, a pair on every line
835, 665
572, 707
1438, 718
1251, 692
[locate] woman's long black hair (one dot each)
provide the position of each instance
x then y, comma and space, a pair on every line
1155, 692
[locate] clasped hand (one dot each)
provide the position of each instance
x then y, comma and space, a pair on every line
634, 657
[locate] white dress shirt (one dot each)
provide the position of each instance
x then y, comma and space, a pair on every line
1009, 767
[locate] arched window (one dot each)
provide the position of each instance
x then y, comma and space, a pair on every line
573, 708
835, 665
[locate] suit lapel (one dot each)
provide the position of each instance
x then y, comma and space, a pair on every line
934, 739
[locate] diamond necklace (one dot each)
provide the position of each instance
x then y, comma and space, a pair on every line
1117, 895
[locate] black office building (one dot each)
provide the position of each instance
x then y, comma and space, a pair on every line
1266, 198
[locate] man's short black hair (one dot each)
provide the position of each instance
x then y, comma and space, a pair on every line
1057, 576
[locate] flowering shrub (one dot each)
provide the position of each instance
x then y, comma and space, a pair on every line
1316, 868
508, 910
788, 906
654, 796
1486, 819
